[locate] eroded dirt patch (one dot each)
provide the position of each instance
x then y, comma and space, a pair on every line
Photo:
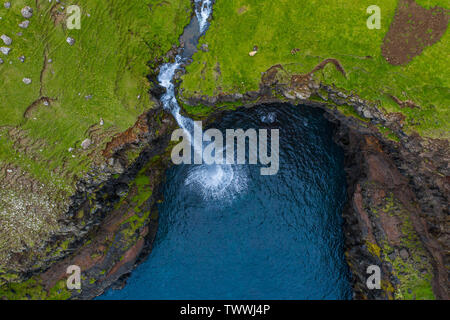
413, 29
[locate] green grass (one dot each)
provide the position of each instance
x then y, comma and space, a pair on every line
322, 29
108, 61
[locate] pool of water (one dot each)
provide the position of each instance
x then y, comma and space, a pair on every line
236, 234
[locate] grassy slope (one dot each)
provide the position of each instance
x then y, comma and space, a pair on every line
108, 61
321, 30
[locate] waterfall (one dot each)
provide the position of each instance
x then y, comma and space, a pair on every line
216, 181
203, 10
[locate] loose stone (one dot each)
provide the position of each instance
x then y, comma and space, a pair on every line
24, 24
27, 12
6, 40
5, 50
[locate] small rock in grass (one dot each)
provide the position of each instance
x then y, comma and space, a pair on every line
294, 51
27, 12
70, 41
6, 40
86, 144
7, 5
88, 97
22, 58
1, 61
205, 47
26, 80
102, 122
70, 149
49, 60
252, 53
5, 50
404, 254
24, 24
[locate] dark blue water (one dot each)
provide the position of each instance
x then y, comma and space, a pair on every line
260, 237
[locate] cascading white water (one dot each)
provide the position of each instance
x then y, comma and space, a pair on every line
203, 13
212, 181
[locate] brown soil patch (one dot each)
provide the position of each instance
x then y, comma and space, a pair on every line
413, 29
57, 16
322, 65
405, 104
297, 81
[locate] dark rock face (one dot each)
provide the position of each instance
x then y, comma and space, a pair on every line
157, 91
385, 225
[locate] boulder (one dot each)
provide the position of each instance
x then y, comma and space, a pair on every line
27, 12
367, 114
24, 24
5, 50
86, 144
6, 40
